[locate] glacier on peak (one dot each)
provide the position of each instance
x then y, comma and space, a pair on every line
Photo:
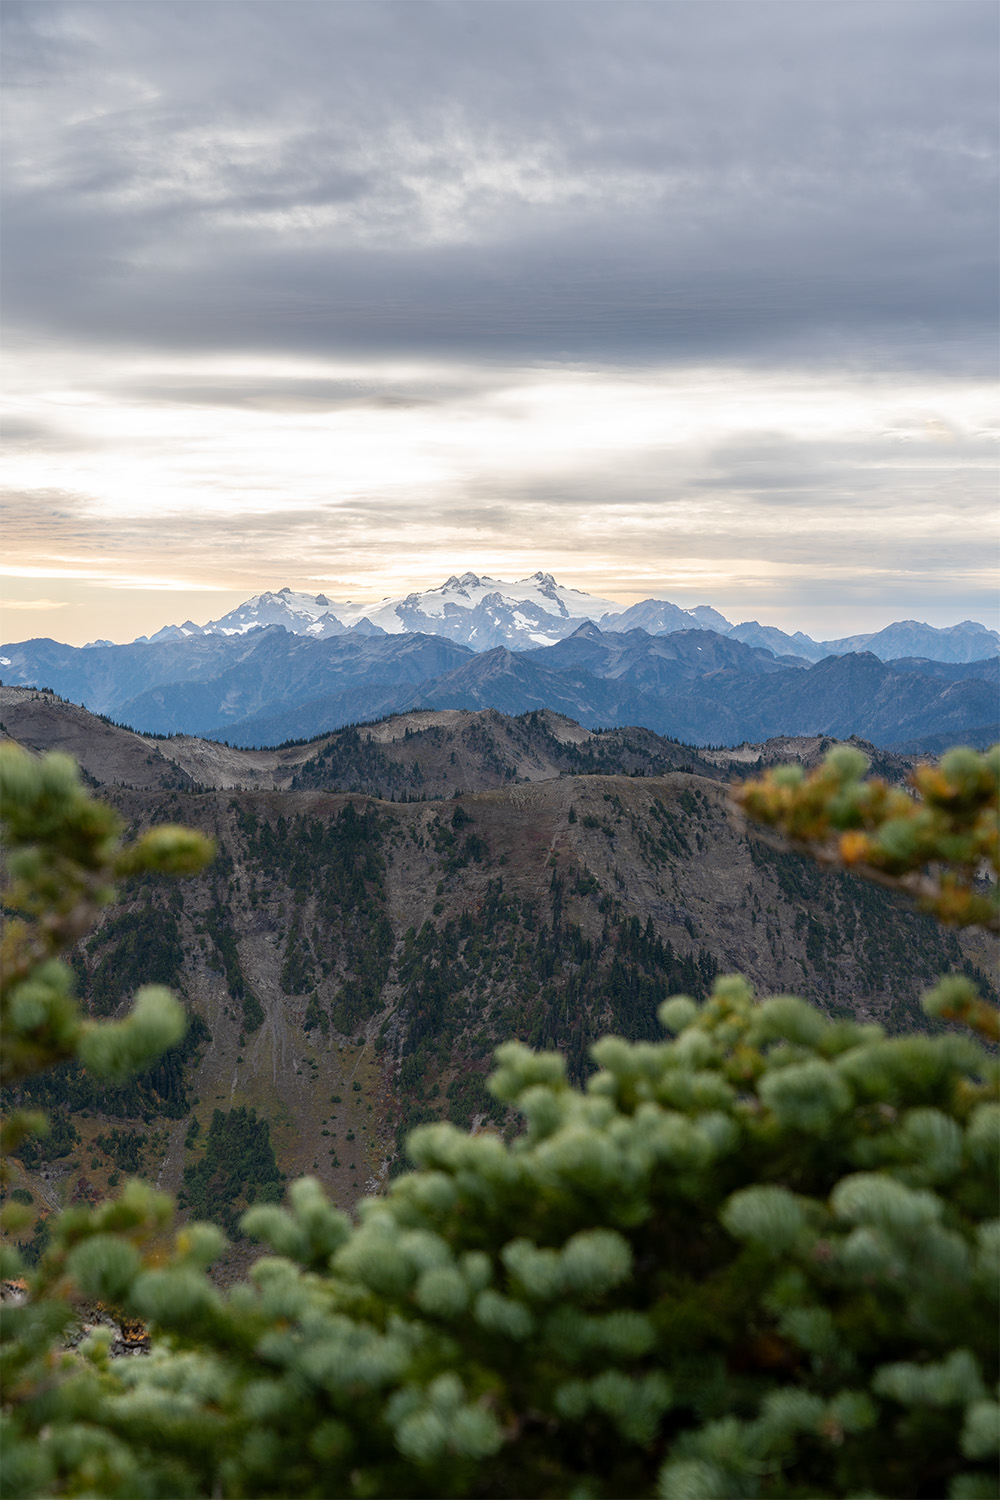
485, 613
468, 607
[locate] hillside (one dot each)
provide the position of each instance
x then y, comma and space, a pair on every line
349, 962
406, 756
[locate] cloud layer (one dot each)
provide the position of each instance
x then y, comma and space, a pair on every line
665, 296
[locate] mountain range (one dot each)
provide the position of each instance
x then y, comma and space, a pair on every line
482, 613
289, 665
271, 685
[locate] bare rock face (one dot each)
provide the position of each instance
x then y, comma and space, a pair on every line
127, 1335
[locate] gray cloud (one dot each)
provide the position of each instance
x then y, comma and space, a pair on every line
278, 394
341, 289
664, 181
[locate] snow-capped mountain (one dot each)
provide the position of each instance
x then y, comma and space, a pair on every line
302, 614
535, 606
477, 612
533, 613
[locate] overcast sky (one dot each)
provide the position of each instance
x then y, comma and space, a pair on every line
695, 300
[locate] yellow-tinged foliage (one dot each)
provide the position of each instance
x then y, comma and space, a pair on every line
938, 842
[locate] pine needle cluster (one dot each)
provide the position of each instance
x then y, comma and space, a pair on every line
936, 841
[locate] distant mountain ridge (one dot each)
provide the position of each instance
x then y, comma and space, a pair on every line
477, 612
272, 685
288, 665
482, 613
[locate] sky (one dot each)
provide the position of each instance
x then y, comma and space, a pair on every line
688, 299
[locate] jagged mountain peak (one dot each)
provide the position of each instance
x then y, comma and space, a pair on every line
481, 612
710, 619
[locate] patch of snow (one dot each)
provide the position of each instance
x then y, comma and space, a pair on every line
532, 600
466, 591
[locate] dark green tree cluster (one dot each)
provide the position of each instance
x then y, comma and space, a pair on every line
142, 946
336, 863
126, 1148
218, 925
162, 1088
756, 1258
236, 1168
57, 1141
354, 762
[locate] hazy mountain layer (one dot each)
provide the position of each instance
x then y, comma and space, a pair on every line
696, 685
194, 684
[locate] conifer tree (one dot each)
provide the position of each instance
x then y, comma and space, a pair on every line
758, 1258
